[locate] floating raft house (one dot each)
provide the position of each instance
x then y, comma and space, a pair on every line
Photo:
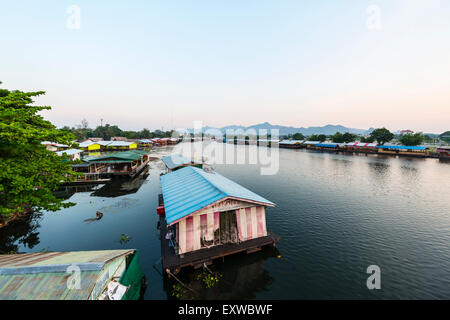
207, 216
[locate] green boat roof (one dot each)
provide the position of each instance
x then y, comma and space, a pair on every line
120, 156
44, 276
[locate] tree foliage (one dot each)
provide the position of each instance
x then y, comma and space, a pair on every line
368, 139
410, 139
29, 173
298, 136
318, 137
83, 132
341, 138
382, 135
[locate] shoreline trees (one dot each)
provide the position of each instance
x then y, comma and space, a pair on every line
29, 173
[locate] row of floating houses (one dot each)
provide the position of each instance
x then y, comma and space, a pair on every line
442, 152
101, 160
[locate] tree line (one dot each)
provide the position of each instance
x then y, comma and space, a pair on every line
380, 135
107, 131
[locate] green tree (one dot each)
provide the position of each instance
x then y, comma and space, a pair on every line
348, 137
337, 137
410, 139
382, 135
298, 136
29, 173
368, 139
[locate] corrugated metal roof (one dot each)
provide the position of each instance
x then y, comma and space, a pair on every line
311, 142
190, 189
120, 143
125, 156
327, 145
86, 144
69, 152
44, 275
175, 160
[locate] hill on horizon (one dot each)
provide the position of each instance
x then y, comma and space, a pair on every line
286, 130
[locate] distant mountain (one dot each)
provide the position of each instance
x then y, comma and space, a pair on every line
284, 130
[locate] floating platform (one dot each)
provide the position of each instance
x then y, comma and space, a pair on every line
174, 263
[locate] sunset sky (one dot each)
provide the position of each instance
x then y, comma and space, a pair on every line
165, 64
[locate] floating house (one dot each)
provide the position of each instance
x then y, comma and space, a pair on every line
73, 154
310, 144
444, 152
177, 161
327, 146
291, 144
207, 216
145, 143
415, 151
83, 275
128, 163
360, 147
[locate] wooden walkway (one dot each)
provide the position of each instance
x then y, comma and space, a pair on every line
174, 263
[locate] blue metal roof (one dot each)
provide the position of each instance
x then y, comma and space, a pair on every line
190, 189
403, 147
327, 145
175, 160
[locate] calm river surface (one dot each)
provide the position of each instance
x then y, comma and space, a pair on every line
337, 214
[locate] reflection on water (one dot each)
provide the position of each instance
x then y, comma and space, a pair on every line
242, 277
20, 233
336, 214
122, 186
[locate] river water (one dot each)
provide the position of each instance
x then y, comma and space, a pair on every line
337, 214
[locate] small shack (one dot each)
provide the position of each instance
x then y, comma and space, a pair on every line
177, 161
81, 275
207, 216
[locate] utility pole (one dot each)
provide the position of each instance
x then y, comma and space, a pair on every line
101, 122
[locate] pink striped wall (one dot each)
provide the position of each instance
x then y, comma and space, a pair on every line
251, 223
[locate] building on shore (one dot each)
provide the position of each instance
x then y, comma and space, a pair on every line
72, 154
54, 146
81, 275
206, 216
107, 145
176, 161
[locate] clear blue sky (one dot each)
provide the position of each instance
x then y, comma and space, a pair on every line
168, 63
